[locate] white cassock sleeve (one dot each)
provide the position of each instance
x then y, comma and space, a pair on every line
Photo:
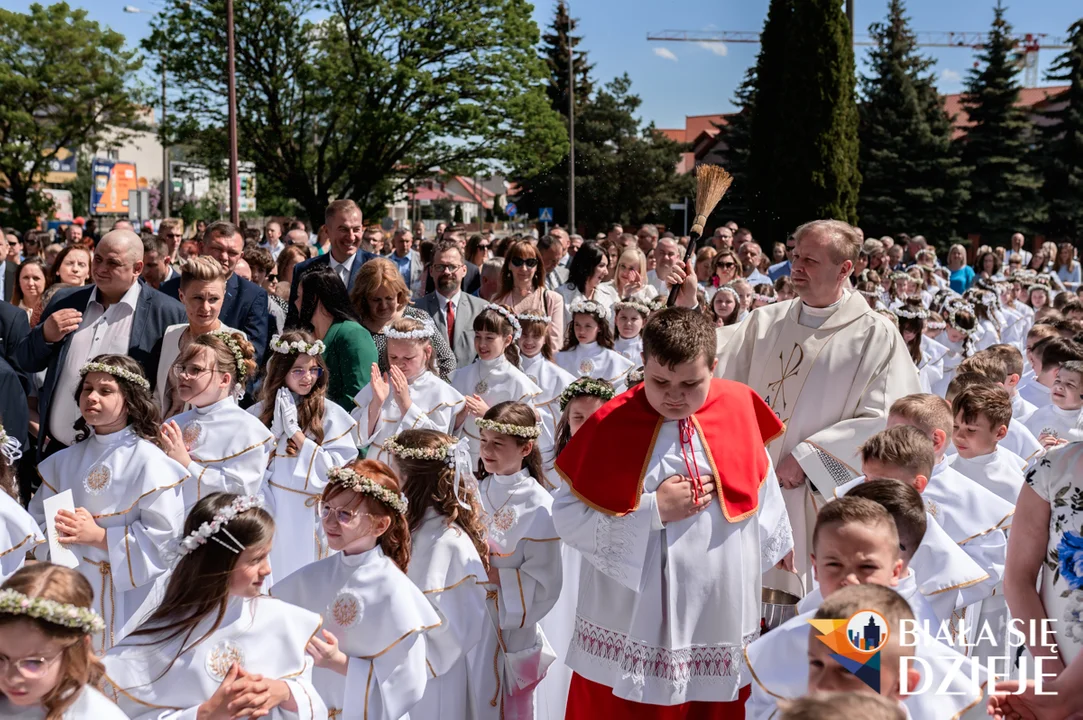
386, 686
242, 474
776, 535
990, 552
37, 511
137, 546
463, 615
529, 592
616, 545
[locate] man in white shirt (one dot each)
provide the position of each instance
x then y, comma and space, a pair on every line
666, 255
452, 309
1017, 249
273, 242
346, 228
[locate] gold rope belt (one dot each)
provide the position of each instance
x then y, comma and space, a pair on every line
498, 695
107, 584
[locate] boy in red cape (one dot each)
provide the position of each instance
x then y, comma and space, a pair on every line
670, 497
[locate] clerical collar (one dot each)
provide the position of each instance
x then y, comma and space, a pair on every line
208, 409
824, 311
509, 480
113, 439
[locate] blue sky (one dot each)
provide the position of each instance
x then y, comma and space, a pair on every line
678, 79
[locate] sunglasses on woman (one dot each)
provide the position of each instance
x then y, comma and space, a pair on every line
727, 265
528, 262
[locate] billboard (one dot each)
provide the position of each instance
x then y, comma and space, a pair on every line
62, 211
111, 182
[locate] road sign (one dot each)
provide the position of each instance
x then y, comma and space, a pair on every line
677, 206
545, 214
511, 210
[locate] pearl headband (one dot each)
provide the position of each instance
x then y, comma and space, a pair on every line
209, 530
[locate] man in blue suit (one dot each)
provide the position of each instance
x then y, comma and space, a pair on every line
345, 224
245, 305
118, 315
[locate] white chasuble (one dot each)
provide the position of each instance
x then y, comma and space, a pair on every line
152, 677
593, 360
19, 534
294, 484
89, 705
133, 490
1000, 471
446, 567
229, 450
831, 385
433, 404
665, 611
494, 381
552, 379
525, 558
381, 620
631, 348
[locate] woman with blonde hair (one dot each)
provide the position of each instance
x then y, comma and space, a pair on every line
962, 275
522, 288
1066, 266
629, 279
379, 297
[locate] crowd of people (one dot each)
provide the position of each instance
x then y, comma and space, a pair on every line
359, 474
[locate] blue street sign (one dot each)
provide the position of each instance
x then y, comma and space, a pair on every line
511, 209
545, 214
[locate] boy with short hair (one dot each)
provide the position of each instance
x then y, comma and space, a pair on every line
1045, 358
1058, 423
987, 367
672, 568
981, 415
834, 705
1013, 363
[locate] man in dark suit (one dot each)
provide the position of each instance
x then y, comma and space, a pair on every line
10, 271
119, 315
345, 225
245, 306
471, 279
451, 307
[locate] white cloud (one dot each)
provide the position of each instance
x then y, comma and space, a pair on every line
665, 54
951, 76
718, 48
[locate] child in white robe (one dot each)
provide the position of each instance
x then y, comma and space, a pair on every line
1046, 357
959, 338
629, 318
588, 349
525, 573
495, 376
536, 360
216, 639
371, 657
224, 448
986, 367
45, 613
982, 413
1059, 422
410, 395
448, 561
911, 316
19, 533
312, 435
126, 491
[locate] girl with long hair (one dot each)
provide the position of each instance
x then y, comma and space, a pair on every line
216, 646
984, 303
126, 492
19, 533
224, 448
588, 350
911, 317
49, 670
371, 655
538, 364
495, 376
1037, 296
630, 279
629, 318
958, 338
589, 269
525, 569
311, 435
448, 560
409, 395
522, 287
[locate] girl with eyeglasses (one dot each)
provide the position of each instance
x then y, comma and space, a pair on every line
311, 435
127, 496
522, 288
372, 654
224, 448
47, 668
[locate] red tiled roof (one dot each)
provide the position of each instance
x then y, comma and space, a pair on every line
1028, 97
696, 124
674, 134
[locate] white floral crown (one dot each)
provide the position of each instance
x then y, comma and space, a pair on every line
587, 386
351, 480
298, 347
235, 348
900, 275
516, 328
527, 432
870, 294
918, 314
455, 454
729, 289
764, 298
13, 602
1037, 286
956, 307
9, 447
534, 317
119, 372
935, 325
633, 305
589, 307
425, 332
209, 530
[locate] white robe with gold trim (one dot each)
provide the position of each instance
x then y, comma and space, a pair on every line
552, 379
19, 534
90, 705
494, 381
1000, 471
593, 360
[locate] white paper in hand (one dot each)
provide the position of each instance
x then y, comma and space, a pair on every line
59, 554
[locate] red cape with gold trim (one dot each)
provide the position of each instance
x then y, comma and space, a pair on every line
606, 461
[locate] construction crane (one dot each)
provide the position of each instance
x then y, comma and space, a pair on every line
1027, 44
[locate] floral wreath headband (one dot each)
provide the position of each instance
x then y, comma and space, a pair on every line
918, 314
533, 317
764, 298
217, 524
517, 329
9, 447
729, 289
1037, 286
639, 307
899, 275
527, 432
935, 325
351, 480
425, 332
584, 387
13, 602
870, 294
117, 372
956, 307
235, 348
297, 347
455, 454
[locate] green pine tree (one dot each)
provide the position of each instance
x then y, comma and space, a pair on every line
911, 176
1062, 146
560, 44
1004, 190
736, 133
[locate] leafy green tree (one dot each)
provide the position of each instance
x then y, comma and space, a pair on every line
912, 178
1004, 191
367, 99
65, 82
1062, 143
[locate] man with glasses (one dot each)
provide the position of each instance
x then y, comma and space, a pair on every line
171, 232
551, 250
116, 315
471, 279
723, 238
453, 309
